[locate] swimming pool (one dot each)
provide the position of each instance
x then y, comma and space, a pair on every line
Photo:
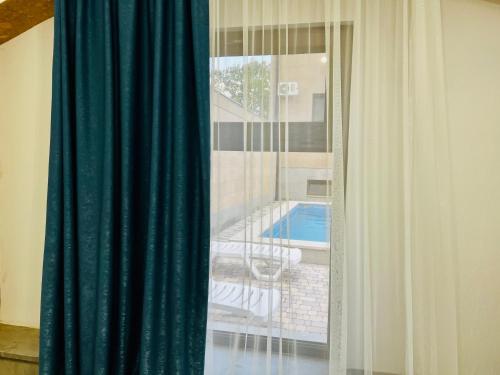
306, 222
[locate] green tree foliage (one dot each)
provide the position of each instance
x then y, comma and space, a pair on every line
253, 77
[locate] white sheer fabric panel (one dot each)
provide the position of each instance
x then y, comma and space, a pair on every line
399, 214
335, 110
275, 99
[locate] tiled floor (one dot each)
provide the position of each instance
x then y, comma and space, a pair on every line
303, 312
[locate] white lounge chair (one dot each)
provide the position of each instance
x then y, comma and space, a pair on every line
275, 258
243, 300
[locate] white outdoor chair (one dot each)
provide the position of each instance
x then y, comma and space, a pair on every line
275, 259
243, 300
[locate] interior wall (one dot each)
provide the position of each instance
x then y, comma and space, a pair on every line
472, 54
25, 87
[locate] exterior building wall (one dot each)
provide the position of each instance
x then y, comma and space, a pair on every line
241, 182
310, 73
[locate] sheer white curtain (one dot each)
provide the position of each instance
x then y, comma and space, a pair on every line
399, 247
332, 233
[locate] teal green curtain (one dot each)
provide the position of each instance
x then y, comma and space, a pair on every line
125, 277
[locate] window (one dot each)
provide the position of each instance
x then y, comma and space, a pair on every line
319, 108
319, 188
271, 187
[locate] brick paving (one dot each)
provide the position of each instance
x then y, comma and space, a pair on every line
303, 311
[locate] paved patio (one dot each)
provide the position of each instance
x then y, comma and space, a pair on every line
303, 311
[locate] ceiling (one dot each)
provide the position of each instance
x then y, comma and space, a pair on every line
17, 16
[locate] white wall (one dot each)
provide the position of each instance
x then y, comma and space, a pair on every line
472, 53
25, 87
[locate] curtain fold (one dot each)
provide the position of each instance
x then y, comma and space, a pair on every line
400, 273
127, 237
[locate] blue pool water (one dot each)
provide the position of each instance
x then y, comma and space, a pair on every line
306, 222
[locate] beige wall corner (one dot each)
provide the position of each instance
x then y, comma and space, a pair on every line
25, 91
472, 54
